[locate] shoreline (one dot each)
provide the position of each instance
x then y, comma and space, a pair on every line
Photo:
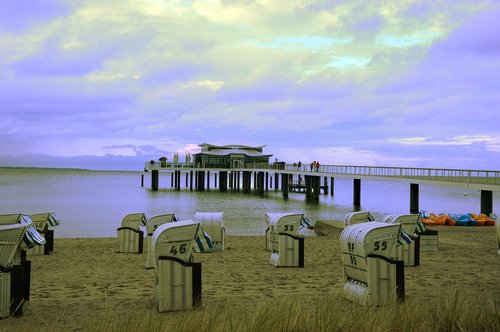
86, 278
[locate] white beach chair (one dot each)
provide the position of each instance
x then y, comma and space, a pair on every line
177, 277
357, 217
371, 276
42, 222
283, 239
212, 224
151, 225
408, 246
130, 236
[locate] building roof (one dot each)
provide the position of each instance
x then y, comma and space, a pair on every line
226, 150
231, 146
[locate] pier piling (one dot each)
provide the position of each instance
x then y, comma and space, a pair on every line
154, 180
414, 198
356, 194
260, 180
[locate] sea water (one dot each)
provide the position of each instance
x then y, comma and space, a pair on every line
93, 203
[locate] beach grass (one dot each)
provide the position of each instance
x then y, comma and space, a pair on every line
455, 312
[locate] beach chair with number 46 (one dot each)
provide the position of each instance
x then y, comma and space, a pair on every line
177, 276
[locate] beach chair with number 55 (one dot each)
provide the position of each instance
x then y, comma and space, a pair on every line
371, 275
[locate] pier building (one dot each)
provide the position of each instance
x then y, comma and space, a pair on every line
227, 156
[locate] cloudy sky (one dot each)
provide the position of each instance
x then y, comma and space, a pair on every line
114, 83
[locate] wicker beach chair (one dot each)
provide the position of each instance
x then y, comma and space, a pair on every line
130, 236
357, 217
371, 275
17, 234
408, 248
497, 226
212, 234
177, 277
11, 237
151, 225
42, 222
30, 237
283, 240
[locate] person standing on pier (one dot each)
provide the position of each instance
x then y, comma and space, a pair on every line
299, 165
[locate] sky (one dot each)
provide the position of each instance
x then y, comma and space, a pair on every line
111, 84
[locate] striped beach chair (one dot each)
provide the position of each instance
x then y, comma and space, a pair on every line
31, 237
43, 222
17, 234
211, 237
10, 238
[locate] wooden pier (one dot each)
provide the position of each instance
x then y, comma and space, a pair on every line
260, 178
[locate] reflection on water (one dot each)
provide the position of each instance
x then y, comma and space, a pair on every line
92, 203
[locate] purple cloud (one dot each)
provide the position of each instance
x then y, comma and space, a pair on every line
478, 36
16, 16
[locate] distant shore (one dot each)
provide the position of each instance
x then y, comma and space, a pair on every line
86, 278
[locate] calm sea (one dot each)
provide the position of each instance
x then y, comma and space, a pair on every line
93, 203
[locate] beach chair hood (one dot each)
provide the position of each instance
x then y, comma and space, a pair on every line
175, 240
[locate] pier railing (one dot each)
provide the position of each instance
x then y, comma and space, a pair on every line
487, 177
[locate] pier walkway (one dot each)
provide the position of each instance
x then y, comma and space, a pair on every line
289, 177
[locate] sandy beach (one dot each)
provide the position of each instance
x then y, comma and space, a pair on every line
86, 277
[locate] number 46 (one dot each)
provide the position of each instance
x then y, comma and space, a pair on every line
182, 249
